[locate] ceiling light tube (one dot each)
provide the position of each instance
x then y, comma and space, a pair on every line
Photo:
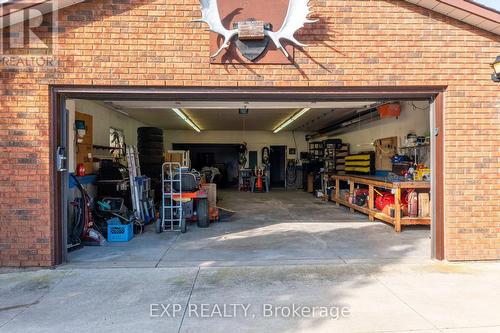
291, 120
186, 119
122, 112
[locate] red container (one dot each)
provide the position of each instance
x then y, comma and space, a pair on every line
383, 200
80, 170
389, 110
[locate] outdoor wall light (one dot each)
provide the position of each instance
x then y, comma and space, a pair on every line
496, 68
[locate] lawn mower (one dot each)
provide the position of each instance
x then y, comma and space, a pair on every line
182, 199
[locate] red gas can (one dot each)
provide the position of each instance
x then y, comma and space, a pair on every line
383, 200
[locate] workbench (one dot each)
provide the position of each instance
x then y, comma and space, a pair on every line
379, 182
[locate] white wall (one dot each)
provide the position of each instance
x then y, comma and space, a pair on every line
255, 140
411, 120
102, 119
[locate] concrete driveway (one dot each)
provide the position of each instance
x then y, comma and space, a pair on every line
379, 297
285, 263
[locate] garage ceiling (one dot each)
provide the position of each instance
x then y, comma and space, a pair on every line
225, 115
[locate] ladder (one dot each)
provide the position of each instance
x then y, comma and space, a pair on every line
140, 187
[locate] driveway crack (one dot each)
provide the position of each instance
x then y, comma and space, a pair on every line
29, 305
189, 299
168, 249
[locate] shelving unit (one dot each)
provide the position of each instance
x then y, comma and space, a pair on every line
418, 152
371, 211
329, 150
316, 150
340, 155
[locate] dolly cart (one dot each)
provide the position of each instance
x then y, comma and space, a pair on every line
180, 194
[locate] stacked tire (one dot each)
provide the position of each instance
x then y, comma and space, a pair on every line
150, 148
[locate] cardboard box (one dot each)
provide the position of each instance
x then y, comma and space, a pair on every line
173, 157
211, 190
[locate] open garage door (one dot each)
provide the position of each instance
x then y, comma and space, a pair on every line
355, 169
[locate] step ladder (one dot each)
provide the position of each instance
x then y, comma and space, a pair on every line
140, 187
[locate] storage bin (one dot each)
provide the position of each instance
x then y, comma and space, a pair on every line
118, 232
389, 110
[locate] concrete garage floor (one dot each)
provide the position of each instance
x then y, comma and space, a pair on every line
310, 254
280, 227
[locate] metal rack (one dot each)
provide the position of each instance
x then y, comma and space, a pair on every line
420, 153
172, 218
316, 150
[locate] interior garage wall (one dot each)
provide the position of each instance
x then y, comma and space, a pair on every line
415, 119
103, 119
255, 140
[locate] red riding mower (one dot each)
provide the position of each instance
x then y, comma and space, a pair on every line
182, 199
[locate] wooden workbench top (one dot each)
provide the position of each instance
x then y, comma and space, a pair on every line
383, 181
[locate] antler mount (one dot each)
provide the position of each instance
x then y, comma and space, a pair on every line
296, 17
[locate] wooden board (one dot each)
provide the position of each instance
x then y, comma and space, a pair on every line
85, 148
310, 183
385, 149
423, 205
382, 181
173, 157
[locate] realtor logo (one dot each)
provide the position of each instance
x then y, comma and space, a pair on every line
28, 27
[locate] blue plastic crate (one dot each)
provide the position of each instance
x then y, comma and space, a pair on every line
118, 232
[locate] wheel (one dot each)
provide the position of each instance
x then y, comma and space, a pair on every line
150, 152
149, 130
151, 170
143, 140
151, 159
202, 212
158, 226
150, 146
183, 226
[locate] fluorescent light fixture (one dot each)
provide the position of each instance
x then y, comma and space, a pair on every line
122, 112
115, 107
186, 119
291, 120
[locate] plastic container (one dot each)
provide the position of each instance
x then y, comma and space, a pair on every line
118, 232
389, 110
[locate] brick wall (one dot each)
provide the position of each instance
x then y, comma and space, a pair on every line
356, 43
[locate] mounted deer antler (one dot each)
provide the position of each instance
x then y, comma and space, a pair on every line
210, 15
296, 17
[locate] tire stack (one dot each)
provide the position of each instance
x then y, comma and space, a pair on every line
150, 148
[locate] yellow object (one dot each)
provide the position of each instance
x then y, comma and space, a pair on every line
358, 157
358, 169
358, 163
421, 173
